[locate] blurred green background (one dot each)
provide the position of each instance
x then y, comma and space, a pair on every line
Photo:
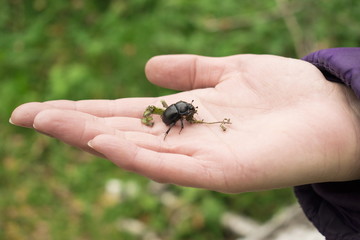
97, 49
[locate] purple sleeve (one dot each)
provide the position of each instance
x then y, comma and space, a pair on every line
334, 207
339, 65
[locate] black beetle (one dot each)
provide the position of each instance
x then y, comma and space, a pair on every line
175, 112
178, 111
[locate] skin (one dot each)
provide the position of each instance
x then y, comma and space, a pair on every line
290, 126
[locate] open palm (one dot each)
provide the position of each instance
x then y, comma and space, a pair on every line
289, 125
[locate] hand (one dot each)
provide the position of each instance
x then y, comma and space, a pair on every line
290, 126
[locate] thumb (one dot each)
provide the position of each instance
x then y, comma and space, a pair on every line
185, 72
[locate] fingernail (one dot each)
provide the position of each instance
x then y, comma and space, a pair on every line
89, 144
11, 122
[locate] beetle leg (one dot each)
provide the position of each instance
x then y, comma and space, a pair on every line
171, 125
182, 125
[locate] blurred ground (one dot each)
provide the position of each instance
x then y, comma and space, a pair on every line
290, 223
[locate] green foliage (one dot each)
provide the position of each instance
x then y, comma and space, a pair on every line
97, 49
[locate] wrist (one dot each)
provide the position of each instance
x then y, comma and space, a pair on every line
342, 65
353, 110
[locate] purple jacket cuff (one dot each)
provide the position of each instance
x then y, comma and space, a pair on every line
339, 65
334, 208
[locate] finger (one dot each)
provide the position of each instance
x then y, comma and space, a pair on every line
131, 107
127, 107
162, 167
72, 127
185, 72
77, 128
134, 125
24, 114
182, 145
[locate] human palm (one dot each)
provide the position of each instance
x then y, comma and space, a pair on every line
289, 125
